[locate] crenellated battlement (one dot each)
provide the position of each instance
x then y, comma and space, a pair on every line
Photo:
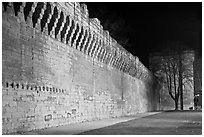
70, 24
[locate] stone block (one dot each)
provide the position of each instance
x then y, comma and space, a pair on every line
12, 103
7, 98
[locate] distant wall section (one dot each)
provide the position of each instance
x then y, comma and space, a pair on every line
165, 100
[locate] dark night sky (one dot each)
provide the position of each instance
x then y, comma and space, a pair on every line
145, 27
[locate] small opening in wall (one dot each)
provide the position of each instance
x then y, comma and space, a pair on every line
75, 34
83, 41
86, 44
12, 85
53, 18
99, 50
16, 6
59, 23
65, 28
36, 87
79, 38
22, 86
99, 53
48, 117
68, 115
95, 47
7, 84
45, 16
91, 44
17, 85
27, 9
37, 12
5, 5
27, 86
70, 31
106, 57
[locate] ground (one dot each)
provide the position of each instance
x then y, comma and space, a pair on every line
152, 123
166, 123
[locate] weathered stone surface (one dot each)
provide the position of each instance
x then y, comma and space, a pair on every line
48, 83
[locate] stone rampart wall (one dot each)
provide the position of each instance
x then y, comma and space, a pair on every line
60, 67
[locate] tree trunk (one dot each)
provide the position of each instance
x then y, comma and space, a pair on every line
175, 93
176, 104
180, 81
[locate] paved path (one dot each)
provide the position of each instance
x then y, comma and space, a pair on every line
166, 123
86, 126
152, 123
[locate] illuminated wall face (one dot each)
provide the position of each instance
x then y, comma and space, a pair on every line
56, 71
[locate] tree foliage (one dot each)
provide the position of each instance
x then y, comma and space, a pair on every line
166, 67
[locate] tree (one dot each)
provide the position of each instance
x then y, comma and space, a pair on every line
169, 66
174, 70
